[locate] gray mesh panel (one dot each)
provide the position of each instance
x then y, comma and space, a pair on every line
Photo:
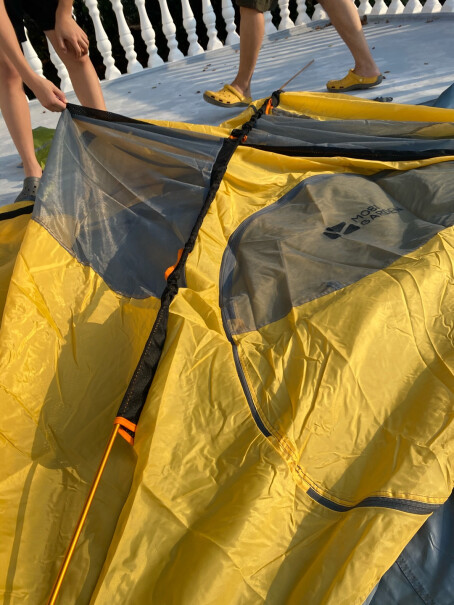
372, 135
329, 232
123, 198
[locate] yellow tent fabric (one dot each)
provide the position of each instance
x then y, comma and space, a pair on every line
280, 461
13, 221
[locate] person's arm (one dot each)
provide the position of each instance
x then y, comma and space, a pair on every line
47, 93
70, 36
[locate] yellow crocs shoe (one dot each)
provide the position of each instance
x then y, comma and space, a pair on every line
227, 97
353, 82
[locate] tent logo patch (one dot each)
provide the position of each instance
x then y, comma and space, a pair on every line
364, 217
340, 229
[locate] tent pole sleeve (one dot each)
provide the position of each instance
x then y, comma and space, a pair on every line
69, 553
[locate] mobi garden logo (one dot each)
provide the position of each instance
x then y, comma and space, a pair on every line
364, 217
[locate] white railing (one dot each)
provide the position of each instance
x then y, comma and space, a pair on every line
168, 28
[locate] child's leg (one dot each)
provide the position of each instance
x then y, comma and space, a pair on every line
15, 111
345, 18
252, 29
83, 76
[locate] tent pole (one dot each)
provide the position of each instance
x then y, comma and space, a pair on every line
69, 553
297, 74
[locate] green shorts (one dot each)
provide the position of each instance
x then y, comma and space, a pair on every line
260, 5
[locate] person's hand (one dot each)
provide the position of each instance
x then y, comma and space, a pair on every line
48, 94
70, 37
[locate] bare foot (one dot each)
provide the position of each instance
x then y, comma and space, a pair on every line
245, 92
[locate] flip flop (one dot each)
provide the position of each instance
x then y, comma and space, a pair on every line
227, 97
29, 189
353, 82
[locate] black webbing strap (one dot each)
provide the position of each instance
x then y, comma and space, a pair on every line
137, 391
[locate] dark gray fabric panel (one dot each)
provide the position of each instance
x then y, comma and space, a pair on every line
424, 572
329, 232
446, 99
123, 197
373, 135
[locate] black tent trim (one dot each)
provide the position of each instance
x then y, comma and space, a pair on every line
244, 384
15, 213
360, 154
404, 505
98, 114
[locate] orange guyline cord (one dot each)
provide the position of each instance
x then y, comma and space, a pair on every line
69, 553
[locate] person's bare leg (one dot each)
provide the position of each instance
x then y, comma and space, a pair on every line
345, 18
252, 28
83, 76
15, 111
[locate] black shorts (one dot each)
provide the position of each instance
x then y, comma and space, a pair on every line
41, 11
262, 6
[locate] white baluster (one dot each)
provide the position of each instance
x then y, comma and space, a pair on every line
229, 17
190, 25
32, 57
65, 81
319, 13
302, 17
413, 7
270, 28
448, 7
209, 18
364, 8
169, 29
126, 38
396, 8
102, 41
285, 22
148, 35
379, 8
431, 6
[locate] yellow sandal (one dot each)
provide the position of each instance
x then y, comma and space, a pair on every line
353, 82
227, 97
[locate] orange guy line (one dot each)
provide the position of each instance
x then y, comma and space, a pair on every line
69, 553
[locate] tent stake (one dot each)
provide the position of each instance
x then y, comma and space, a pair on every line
61, 574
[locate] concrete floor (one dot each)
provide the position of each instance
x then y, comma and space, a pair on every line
416, 54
